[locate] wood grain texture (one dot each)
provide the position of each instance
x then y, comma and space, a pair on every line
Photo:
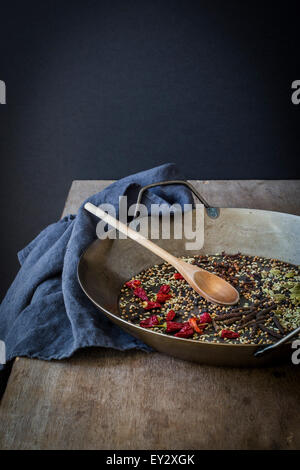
105, 399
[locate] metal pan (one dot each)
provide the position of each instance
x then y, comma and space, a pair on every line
107, 264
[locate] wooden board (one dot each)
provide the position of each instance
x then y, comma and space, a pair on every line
105, 399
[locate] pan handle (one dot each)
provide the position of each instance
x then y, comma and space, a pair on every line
212, 212
283, 340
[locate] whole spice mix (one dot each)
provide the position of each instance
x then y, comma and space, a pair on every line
159, 298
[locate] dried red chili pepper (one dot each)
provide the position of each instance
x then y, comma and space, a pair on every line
133, 284
205, 318
173, 326
186, 332
162, 297
164, 289
148, 305
229, 334
170, 315
150, 322
178, 276
193, 324
140, 292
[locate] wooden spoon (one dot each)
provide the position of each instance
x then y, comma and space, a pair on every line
208, 285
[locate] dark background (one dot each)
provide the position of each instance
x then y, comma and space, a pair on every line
100, 89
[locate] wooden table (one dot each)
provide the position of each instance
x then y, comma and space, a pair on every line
105, 399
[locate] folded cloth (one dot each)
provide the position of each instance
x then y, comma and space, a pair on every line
45, 314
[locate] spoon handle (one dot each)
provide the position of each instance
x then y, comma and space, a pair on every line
130, 233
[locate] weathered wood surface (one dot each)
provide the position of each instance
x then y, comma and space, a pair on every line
105, 399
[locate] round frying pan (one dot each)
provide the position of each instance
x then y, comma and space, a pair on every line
107, 264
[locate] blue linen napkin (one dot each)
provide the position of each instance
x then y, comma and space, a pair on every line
45, 314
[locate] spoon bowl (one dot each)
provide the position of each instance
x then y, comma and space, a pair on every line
208, 285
